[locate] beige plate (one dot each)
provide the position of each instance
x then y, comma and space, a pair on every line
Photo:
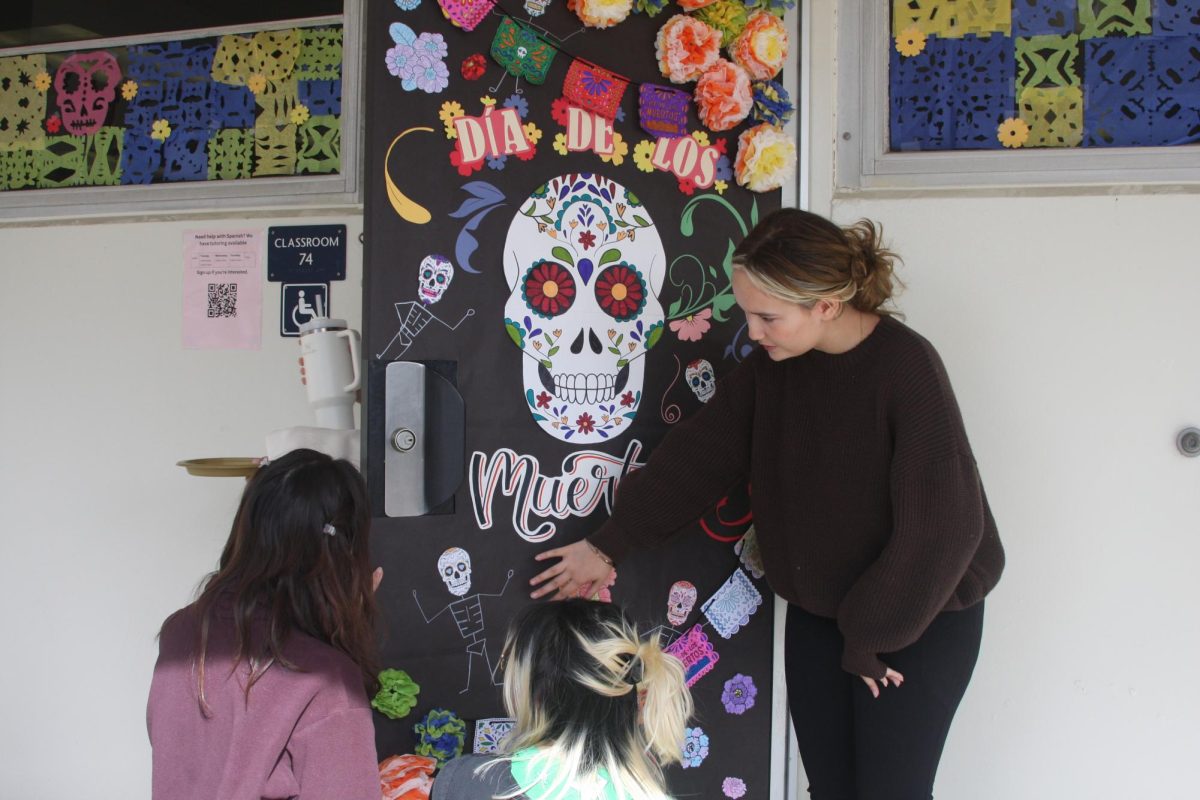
220, 467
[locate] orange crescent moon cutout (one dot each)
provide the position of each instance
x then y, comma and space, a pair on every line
407, 208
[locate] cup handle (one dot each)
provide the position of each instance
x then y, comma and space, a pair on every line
353, 340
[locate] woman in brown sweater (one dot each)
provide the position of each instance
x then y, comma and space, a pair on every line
871, 516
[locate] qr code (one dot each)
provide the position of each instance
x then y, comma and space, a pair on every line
222, 300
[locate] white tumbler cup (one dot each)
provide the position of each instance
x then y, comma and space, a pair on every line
331, 353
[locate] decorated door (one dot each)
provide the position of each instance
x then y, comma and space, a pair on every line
551, 210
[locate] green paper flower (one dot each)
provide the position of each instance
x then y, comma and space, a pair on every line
440, 736
397, 694
727, 16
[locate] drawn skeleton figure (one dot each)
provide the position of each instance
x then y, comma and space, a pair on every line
433, 279
681, 599
454, 568
585, 264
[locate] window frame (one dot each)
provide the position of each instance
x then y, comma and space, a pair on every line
340, 191
864, 164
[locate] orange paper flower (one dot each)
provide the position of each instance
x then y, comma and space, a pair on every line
723, 96
762, 46
406, 777
692, 5
1013, 132
687, 48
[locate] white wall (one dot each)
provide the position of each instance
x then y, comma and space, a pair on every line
102, 535
1069, 327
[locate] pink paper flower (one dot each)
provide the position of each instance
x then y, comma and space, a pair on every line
692, 327
724, 96
733, 788
686, 48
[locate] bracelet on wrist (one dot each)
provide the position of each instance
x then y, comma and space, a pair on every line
600, 555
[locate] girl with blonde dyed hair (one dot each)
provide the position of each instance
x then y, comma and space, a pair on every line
598, 712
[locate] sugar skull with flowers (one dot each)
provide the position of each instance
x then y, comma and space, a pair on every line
585, 265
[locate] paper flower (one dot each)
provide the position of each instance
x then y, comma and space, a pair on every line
42, 81
497, 162
766, 157
686, 48
693, 5
432, 45
738, 694
910, 41
299, 115
408, 5
692, 327
53, 124
727, 16
487, 100
776, 7
619, 151
397, 694
695, 747
651, 8
733, 788
643, 151
723, 95
450, 111
440, 735
724, 169
559, 111
560, 144
431, 75
129, 90
519, 103
772, 104
601, 13
1012, 132
701, 138
256, 83
406, 777
160, 130
473, 67
762, 47
532, 132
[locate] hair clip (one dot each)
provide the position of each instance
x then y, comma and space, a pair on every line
328, 528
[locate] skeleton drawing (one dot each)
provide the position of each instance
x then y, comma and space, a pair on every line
85, 86
701, 379
681, 599
433, 279
585, 264
454, 568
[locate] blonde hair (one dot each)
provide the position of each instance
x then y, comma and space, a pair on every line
802, 258
591, 696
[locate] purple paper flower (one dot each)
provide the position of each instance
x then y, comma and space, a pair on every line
733, 788
399, 59
431, 44
431, 75
497, 162
724, 169
695, 747
739, 694
519, 103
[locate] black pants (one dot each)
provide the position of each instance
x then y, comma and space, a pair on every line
856, 747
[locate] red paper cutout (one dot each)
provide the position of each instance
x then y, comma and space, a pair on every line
594, 88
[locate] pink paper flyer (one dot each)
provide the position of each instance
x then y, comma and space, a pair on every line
222, 289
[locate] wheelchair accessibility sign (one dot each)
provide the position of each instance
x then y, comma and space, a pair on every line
300, 303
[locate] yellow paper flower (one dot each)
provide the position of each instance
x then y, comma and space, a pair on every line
160, 130
451, 109
766, 157
910, 42
1012, 132
560, 143
643, 151
601, 13
129, 90
620, 150
256, 83
701, 138
720, 186
533, 133
299, 115
42, 81
487, 100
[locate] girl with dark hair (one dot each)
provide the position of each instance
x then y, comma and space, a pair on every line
871, 516
260, 686
598, 710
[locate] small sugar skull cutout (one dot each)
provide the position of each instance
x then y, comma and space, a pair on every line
434, 277
454, 567
85, 86
702, 379
680, 602
585, 265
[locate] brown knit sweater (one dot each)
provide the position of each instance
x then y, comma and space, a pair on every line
866, 498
